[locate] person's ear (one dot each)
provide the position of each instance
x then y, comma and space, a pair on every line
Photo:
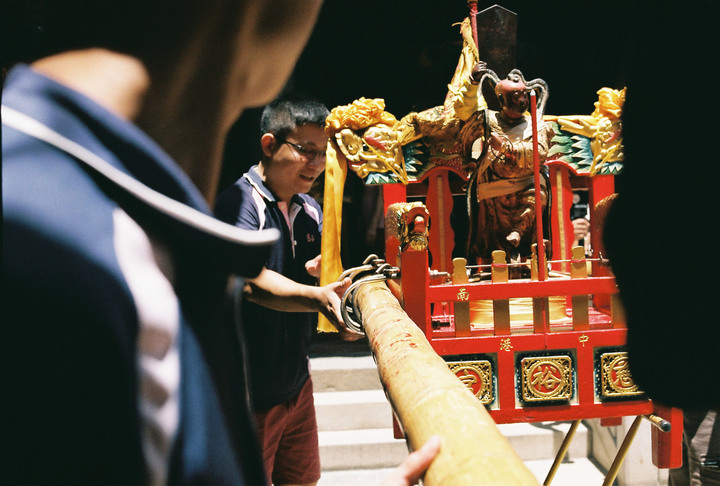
268, 144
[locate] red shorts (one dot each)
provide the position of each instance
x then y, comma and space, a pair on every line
289, 440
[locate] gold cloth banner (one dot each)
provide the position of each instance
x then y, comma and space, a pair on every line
330, 263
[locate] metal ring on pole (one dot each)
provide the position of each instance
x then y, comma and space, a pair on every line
353, 272
381, 271
370, 263
349, 310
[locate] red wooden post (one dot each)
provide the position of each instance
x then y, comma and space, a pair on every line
472, 5
439, 203
542, 266
505, 353
599, 187
560, 224
415, 279
585, 370
667, 446
393, 193
578, 269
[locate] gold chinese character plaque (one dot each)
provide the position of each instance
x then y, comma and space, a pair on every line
615, 378
547, 378
477, 376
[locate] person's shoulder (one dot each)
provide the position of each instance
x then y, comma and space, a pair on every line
236, 187
235, 191
230, 200
58, 223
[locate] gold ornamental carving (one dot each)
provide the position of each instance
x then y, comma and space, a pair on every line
477, 377
409, 224
547, 378
367, 136
616, 380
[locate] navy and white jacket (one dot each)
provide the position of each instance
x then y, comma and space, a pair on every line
119, 363
278, 342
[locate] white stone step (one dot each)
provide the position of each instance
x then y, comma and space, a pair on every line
338, 373
360, 449
376, 448
360, 409
578, 472
369, 409
542, 440
354, 477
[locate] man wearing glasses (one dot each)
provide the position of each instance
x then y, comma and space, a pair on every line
279, 311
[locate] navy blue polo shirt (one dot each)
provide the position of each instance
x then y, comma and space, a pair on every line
81, 287
278, 342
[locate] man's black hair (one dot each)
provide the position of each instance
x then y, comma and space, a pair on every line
287, 112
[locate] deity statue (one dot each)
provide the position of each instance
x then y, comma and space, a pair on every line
493, 150
501, 193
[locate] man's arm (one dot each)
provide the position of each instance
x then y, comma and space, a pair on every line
275, 291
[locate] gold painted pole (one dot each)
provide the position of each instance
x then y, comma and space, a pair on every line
622, 452
561, 453
658, 422
428, 399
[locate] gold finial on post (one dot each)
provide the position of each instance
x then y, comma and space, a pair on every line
462, 307
501, 307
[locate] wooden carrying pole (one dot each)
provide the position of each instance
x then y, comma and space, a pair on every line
430, 400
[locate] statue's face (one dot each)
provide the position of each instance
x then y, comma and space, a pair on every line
516, 102
514, 96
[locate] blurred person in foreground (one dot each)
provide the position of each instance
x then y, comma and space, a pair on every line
119, 366
659, 233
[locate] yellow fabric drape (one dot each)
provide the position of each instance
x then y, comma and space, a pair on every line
331, 263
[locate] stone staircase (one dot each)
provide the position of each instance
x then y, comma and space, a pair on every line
355, 426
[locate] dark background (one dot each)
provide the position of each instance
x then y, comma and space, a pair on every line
406, 52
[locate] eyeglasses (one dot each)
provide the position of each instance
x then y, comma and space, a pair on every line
308, 153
